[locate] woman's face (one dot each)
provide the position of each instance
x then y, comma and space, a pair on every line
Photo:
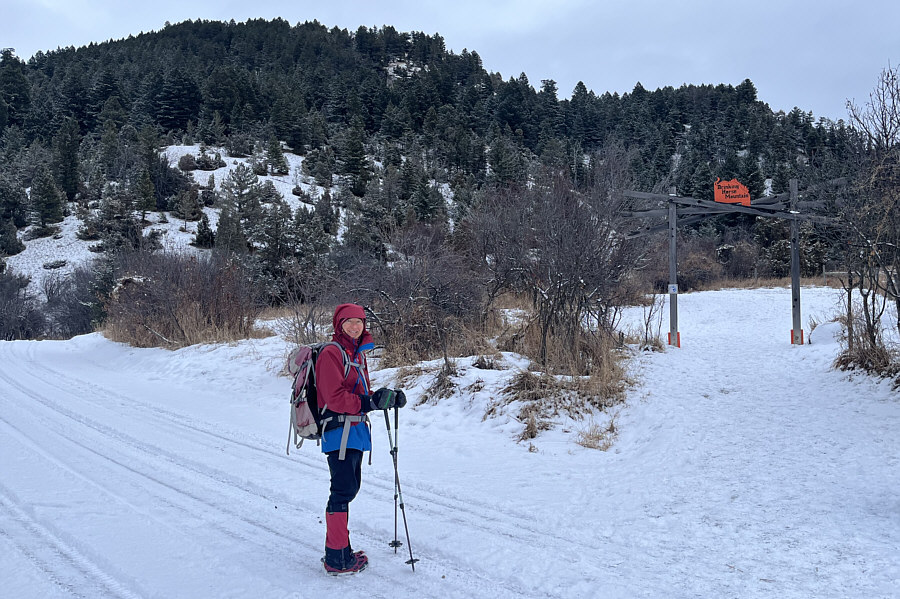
353, 327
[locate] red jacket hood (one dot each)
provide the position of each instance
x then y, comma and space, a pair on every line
344, 312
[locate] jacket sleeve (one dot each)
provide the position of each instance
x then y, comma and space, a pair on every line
331, 387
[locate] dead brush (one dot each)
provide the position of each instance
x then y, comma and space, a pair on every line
870, 353
599, 436
442, 386
173, 300
544, 397
406, 375
484, 362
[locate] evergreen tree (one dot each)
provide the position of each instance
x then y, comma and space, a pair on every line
66, 159
179, 101
241, 188
187, 205
327, 213
13, 200
47, 200
355, 166
116, 223
366, 218
277, 163
204, 237
146, 194
229, 238
310, 242
275, 246
428, 203
9, 242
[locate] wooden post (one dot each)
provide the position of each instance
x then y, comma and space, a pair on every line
673, 277
797, 330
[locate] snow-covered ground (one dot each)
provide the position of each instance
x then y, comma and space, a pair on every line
744, 467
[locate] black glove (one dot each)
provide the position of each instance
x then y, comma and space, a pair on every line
401, 398
384, 399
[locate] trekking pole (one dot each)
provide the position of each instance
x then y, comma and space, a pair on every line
394, 449
411, 561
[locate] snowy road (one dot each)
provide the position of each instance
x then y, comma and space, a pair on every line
744, 468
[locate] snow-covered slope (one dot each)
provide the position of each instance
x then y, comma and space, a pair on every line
177, 235
744, 467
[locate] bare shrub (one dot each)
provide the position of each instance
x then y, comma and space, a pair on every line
174, 300
305, 322
651, 337
697, 265
20, 314
72, 304
187, 163
865, 348
428, 303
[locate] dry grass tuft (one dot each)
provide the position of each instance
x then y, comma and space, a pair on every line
597, 436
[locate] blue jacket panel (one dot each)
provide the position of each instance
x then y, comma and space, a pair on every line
360, 438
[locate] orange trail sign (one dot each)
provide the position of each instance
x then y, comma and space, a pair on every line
731, 192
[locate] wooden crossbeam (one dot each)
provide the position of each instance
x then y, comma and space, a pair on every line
650, 229
717, 208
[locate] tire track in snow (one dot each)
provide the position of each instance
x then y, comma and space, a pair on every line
65, 567
148, 472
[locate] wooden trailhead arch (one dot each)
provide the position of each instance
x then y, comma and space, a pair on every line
733, 198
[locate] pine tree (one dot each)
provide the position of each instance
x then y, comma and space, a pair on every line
13, 199
229, 238
365, 220
275, 245
354, 159
179, 101
116, 222
428, 203
4, 115
204, 237
146, 195
47, 200
310, 241
9, 242
65, 158
278, 164
327, 213
241, 187
187, 205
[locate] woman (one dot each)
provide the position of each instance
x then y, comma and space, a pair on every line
342, 386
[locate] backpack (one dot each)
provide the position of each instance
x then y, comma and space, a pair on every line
306, 413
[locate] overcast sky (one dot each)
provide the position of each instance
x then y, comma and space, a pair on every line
812, 54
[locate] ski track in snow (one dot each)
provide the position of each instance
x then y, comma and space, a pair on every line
744, 468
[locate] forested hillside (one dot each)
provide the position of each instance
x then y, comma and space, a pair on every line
410, 151
395, 95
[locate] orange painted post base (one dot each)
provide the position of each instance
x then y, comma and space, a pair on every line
677, 339
792, 336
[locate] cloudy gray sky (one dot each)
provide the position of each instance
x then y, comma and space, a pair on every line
812, 54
